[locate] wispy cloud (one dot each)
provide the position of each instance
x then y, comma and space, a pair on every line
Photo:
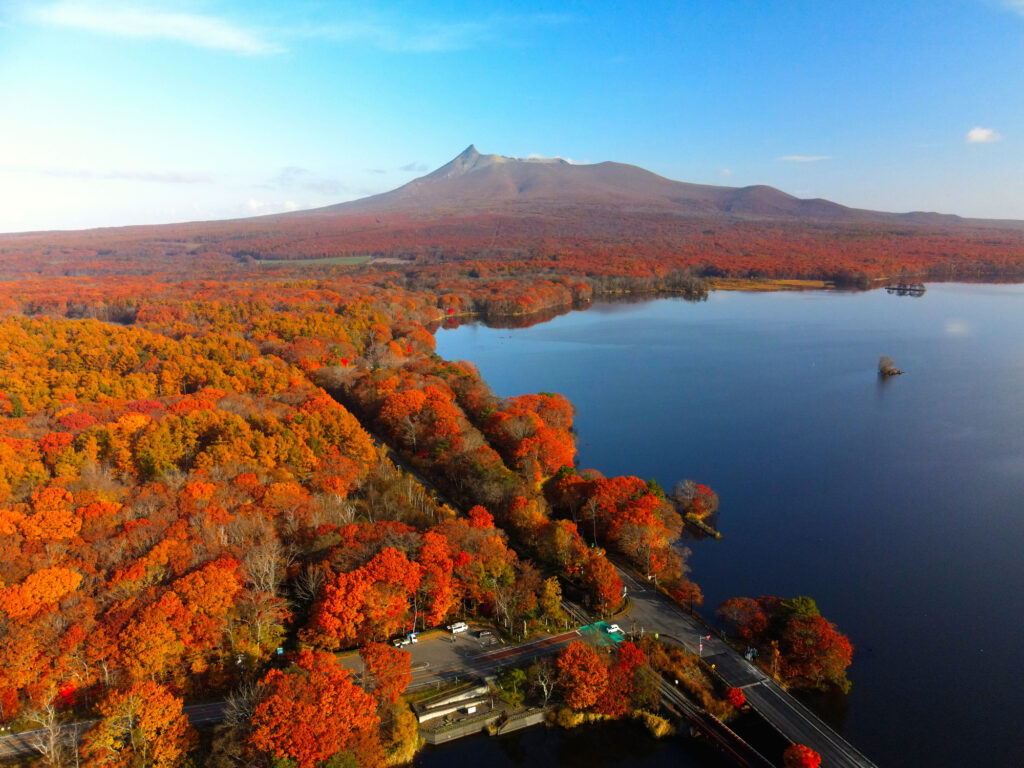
805, 158
160, 177
1015, 5
727, 171
979, 135
425, 38
415, 167
148, 21
135, 22
418, 36
293, 178
113, 174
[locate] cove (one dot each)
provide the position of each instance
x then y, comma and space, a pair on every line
895, 503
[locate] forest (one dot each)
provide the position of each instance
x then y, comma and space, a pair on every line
189, 484
217, 475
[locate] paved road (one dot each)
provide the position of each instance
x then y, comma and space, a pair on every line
22, 744
652, 612
436, 659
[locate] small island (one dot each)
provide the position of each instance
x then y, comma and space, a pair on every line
886, 367
696, 503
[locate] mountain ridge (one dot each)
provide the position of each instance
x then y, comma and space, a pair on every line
475, 182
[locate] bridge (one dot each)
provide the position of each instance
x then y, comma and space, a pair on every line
651, 612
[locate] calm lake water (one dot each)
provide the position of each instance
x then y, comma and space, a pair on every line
615, 745
897, 504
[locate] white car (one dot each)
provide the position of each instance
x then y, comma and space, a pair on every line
613, 628
457, 627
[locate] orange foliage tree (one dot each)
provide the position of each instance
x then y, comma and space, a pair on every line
142, 724
582, 675
387, 672
372, 601
313, 712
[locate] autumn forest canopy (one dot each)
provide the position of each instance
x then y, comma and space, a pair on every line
198, 473
220, 440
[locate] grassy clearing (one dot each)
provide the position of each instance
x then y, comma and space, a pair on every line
764, 284
328, 261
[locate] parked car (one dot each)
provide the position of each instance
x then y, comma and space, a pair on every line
457, 627
613, 628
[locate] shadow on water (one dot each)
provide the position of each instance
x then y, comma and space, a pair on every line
595, 746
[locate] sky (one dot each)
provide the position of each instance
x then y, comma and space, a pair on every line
131, 112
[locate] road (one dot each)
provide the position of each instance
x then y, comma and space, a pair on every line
651, 612
436, 659
20, 745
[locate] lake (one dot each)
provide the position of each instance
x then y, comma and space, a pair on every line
612, 745
895, 503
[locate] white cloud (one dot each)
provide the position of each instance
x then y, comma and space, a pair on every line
979, 135
1015, 5
727, 171
805, 158
111, 174
254, 207
430, 38
415, 36
147, 21
131, 21
294, 178
534, 157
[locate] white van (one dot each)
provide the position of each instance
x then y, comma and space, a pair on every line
458, 626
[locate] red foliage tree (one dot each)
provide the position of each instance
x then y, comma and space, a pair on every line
799, 756
315, 711
369, 602
811, 652
387, 672
615, 699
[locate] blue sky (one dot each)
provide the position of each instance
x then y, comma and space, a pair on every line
115, 112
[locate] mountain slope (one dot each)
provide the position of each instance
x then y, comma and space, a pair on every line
592, 219
473, 182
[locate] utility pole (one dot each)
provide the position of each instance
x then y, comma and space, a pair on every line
700, 645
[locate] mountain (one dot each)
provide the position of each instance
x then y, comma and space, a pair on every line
475, 183
605, 217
